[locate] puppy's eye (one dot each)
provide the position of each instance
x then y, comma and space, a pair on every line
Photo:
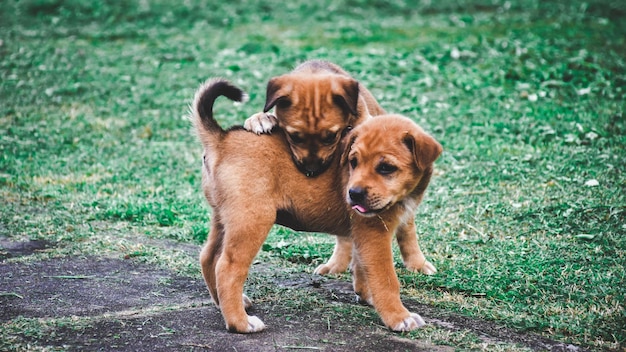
283, 103
386, 169
345, 131
353, 163
296, 138
329, 139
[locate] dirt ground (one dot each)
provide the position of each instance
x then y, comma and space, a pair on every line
132, 306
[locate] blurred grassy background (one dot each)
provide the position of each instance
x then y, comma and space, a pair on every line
525, 219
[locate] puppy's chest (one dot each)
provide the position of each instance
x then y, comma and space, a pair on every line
407, 209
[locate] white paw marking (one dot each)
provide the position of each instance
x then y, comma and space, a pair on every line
260, 123
255, 324
268, 123
414, 321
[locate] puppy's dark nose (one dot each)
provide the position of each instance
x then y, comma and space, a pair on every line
312, 167
357, 194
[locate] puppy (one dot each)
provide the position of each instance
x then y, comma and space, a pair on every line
364, 196
316, 104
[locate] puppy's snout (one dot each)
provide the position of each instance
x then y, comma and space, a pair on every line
357, 194
312, 166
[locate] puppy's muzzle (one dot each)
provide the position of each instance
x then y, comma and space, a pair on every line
357, 198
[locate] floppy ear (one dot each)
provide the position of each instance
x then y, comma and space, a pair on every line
346, 146
345, 92
277, 92
425, 149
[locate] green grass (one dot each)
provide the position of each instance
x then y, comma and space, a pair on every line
526, 97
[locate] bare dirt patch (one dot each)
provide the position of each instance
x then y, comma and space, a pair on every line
125, 305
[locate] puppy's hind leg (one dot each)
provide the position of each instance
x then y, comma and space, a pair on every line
242, 241
339, 261
209, 256
359, 280
412, 256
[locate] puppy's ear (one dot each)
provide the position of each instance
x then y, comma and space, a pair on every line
345, 92
346, 146
425, 149
278, 90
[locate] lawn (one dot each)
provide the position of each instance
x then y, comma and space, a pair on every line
525, 218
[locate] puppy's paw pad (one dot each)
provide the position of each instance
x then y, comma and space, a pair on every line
412, 322
255, 324
260, 123
247, 302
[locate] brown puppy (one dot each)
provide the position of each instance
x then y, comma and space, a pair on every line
251, 183
316, 104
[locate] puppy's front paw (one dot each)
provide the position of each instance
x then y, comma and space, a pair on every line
260, 123
412, 322
427, 268
255, 324
250, 325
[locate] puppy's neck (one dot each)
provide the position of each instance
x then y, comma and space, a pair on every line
408, 206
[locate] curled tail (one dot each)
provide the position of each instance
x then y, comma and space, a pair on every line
202, 106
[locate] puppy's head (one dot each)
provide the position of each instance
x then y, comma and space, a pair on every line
315, 111
387, 157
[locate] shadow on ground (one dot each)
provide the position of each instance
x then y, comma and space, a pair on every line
122, 305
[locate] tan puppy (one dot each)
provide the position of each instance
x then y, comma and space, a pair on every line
316, 104
251, 183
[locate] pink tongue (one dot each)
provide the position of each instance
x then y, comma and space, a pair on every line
359, 208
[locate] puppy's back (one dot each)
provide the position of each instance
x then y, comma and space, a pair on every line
320, 66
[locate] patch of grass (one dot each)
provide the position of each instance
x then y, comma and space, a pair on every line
305, 248
524, 219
